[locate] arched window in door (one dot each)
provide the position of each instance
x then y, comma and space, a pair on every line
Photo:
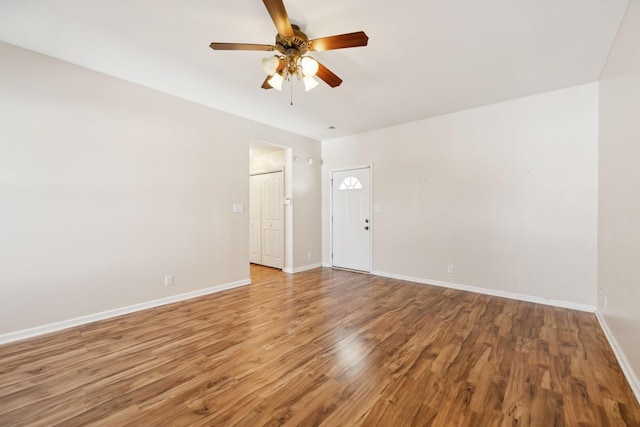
350, 183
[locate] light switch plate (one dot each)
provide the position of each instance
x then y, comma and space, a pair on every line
238, 208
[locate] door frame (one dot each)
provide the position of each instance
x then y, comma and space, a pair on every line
371, 221
288, 212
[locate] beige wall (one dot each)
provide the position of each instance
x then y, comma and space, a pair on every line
106, 187
307, 210
507, 193
619, 200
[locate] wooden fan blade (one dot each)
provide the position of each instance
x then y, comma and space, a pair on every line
327, 76
279, 16
241, 46
340, 41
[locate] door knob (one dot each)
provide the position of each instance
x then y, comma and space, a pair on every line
366, 227
366, 221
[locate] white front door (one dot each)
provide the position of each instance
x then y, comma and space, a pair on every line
351, 219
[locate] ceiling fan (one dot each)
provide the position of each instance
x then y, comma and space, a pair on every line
292, 46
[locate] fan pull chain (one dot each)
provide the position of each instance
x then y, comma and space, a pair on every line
291, 92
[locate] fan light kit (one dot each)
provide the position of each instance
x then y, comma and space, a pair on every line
292, 46
302, 67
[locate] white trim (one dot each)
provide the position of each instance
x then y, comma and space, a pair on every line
82, 320
627, 370
301, 269
267, 172
492, 292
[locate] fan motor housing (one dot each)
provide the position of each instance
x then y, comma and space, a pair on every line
299, 42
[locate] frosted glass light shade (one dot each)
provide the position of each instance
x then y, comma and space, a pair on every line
276, 81
309, 83
309, 66
270, 65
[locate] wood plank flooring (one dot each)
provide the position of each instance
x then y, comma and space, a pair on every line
324, 347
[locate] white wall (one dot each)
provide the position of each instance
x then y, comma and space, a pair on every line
106, 187
619, 200
507, 193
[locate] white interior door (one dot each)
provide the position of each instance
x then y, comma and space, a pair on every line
266, 219
272, 220
351, 219
255, 219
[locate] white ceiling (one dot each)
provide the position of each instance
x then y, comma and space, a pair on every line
424, 58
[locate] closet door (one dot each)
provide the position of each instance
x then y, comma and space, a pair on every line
255, 219
272, 220
266, 219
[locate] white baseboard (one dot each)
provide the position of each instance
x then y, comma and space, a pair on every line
300, 269
82, 320
630, 375
492, 292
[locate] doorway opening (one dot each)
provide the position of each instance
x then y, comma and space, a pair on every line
270, 222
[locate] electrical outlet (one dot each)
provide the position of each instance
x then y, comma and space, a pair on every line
168, 280
309, 255
450, 269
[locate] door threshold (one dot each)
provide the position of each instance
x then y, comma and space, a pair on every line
351, 270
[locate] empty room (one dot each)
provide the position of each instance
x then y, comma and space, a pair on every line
286, 212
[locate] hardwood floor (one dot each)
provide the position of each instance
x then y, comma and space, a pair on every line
324, 347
